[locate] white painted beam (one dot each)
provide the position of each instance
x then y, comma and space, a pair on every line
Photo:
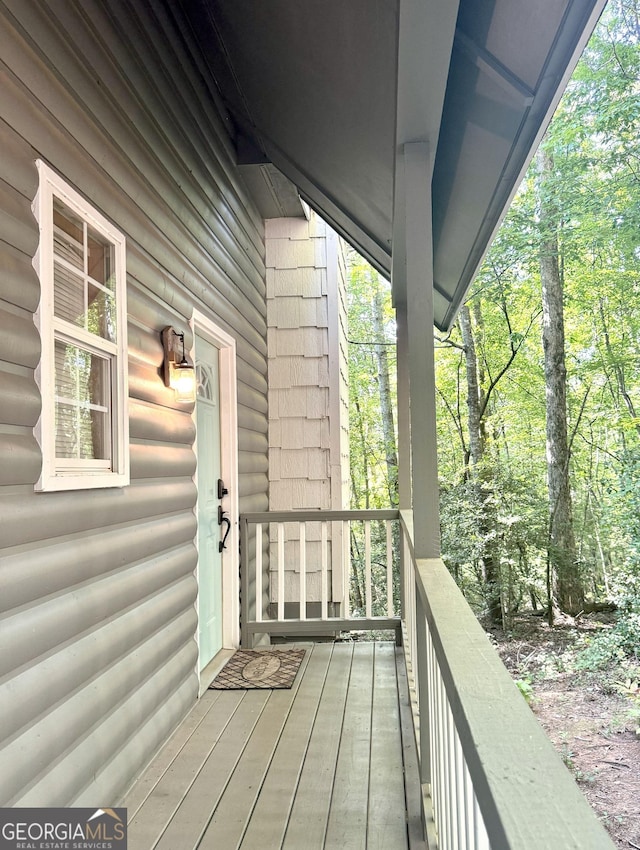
419, 279
404, 412
426, 29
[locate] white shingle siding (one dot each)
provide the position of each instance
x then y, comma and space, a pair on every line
287, 229
305, 372
290, 253
306, 462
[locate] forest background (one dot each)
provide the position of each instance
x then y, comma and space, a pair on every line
538, 380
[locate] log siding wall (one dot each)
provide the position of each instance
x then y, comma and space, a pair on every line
98, 622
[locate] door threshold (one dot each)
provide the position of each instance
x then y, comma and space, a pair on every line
208, 674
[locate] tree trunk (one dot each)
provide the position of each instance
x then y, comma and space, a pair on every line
618, 369
479, 475
364, 488
474, 399
565, 579
386, 406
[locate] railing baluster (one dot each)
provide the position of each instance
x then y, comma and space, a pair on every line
467, 806
346, 537
244, 584
452, 779
432, 673
459, 813
409, 600
421, 662
280, 584
367, 566
324, 579
389, 568
481, 838
303, 570
442, 767
258, 572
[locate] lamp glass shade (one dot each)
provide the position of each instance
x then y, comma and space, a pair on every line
183, 382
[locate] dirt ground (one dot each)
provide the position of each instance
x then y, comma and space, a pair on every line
591, 720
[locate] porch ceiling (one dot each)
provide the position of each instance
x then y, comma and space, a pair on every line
328, 91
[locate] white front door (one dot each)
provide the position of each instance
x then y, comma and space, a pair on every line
210, 601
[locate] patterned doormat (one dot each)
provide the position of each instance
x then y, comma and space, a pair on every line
249, 669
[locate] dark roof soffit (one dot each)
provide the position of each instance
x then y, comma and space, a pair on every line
312, 87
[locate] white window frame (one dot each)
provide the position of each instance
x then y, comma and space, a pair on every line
69, 474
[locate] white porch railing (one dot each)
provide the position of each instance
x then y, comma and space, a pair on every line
297, 572
490, 777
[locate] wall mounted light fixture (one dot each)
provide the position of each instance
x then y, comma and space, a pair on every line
179, 373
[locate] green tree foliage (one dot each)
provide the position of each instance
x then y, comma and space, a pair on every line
497, 536
594, 142
372, 373
372, 434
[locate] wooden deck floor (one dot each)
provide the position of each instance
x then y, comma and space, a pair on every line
328, 764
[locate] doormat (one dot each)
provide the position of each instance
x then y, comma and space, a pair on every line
249, 669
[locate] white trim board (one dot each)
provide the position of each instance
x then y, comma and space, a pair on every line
226, 345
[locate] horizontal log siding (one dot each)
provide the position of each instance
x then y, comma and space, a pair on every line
98, 617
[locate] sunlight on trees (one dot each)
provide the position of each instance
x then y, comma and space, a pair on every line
501, 509
372, 402
511, 541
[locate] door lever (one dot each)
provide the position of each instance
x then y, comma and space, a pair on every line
223, 518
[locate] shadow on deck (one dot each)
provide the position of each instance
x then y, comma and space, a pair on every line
330, 763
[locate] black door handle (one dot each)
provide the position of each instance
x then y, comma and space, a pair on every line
222, 519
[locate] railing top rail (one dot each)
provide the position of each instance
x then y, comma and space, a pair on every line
318, 515
526, 795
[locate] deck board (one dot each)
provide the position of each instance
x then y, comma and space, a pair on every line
194, 813
412, 785
231, 817
175, 784
310, 812
347, 826
141, 790
271, 814
386, 821
320, 766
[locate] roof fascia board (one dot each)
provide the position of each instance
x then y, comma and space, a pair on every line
322, 201
590, 20
425, 42
492, 66
347, 235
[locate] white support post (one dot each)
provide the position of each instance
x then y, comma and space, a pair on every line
419, 283
404, 411
404, 453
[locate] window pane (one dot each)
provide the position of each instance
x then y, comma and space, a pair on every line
83, 415
101, 262
68, 241
101, 317
68, 295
